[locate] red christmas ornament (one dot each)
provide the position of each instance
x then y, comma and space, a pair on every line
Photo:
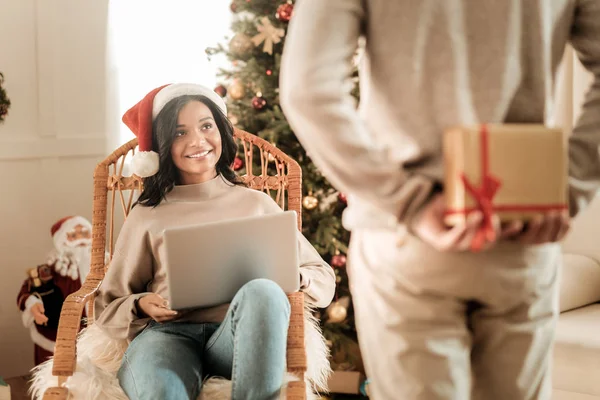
237, 164
342, 198
258, 103
3, 110
338, 261
284, 12
269, 72
233, 7
221, 90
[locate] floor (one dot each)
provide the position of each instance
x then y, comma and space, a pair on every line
18, 389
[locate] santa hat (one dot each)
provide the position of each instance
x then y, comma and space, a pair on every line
65, 225
140, 117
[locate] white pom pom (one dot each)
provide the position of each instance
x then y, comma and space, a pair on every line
145, 163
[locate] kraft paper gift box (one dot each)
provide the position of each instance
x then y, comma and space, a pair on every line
345, 382
513, 170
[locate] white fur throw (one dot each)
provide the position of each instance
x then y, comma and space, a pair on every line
99, 358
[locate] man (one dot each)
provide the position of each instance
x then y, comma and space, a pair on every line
43, 293
434, 319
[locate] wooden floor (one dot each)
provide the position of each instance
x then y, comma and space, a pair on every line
18, 388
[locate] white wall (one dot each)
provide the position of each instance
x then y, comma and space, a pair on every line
52, 54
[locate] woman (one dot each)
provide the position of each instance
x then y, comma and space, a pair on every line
188, 179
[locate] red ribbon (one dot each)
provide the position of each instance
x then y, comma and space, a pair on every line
484, 194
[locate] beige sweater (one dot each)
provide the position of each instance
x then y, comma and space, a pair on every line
429, 65
137, 267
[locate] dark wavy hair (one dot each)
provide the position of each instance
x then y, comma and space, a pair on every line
157, 186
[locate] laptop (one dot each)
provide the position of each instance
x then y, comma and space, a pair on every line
207, 264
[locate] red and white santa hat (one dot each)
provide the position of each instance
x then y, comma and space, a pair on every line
140, 117
65, 225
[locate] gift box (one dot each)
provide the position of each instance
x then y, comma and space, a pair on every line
515, 171
345, 382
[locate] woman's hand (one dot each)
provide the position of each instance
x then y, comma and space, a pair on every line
37, 310
157, 308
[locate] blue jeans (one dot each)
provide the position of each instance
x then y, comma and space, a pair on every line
170, 360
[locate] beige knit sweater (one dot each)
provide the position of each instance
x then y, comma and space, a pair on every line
137, 267
429, 65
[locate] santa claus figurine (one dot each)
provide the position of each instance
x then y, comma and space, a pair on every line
48, 285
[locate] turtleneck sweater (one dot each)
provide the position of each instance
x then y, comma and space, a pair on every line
138, 264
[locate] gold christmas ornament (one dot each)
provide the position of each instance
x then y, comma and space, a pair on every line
310, 202
240, 44
338, 310
336, 313
237, 90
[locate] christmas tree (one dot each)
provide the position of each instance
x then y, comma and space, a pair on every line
251, 87
4, 100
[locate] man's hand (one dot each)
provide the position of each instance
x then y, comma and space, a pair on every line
38, 314
430, 227
545, 228
157, 308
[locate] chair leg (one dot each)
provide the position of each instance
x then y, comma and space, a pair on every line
56, 393
296, 350
296, 391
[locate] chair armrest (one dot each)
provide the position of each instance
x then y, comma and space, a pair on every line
65, 351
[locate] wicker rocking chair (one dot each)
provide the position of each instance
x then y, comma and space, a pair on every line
108, 178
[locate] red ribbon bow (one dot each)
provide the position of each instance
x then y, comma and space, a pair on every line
484, 194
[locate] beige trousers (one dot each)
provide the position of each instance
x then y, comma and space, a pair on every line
454, 326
